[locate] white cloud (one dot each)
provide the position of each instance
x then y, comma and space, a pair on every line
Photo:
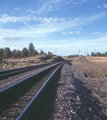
6, 9
68, 23
77, 32
42, 41
46, 20
98, 6
32, 11
75, 2
42, 27
84, 0
41, 9
105, 5
5, 18
55, 1
67, 2
71, 32
98, 33
94, 18
16, 9
23, 34
64, 33
50, 8
62, 23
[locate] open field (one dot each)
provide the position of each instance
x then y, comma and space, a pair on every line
12, 63
93, 70
97, 60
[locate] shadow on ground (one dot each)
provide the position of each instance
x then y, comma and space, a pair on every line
85, 106
44, 107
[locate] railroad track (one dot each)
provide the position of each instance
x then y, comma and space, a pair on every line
8, 73
18, 99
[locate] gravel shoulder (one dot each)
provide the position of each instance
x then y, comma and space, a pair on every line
78, 98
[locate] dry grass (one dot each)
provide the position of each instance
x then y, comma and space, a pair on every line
90, 70
29, 61
97, 60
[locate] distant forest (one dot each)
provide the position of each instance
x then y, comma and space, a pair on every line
26, 52
99, 54
92, 54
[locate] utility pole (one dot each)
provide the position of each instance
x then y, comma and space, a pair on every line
55, 51
79, 52
94, 51
17, 54
87, 52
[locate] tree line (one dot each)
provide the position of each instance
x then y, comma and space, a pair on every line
26, 52
98, 54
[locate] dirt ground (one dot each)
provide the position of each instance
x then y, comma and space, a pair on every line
90, 69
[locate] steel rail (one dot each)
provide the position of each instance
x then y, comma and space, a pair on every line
10, 93
32, 102
15, 69
9, 87
18, 71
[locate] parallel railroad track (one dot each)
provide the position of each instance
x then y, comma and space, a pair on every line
10, 78
17, 99
11, 72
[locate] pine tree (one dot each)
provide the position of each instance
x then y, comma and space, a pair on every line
41, 52
92, 54
1, 54
31, 49
25, 52
7, 52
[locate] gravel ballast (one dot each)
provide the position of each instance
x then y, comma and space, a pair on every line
75, 100
69, 98
23, 98
13, 79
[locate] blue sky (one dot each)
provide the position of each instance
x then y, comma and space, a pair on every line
64, 26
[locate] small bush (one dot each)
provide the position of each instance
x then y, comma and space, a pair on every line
10, 65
